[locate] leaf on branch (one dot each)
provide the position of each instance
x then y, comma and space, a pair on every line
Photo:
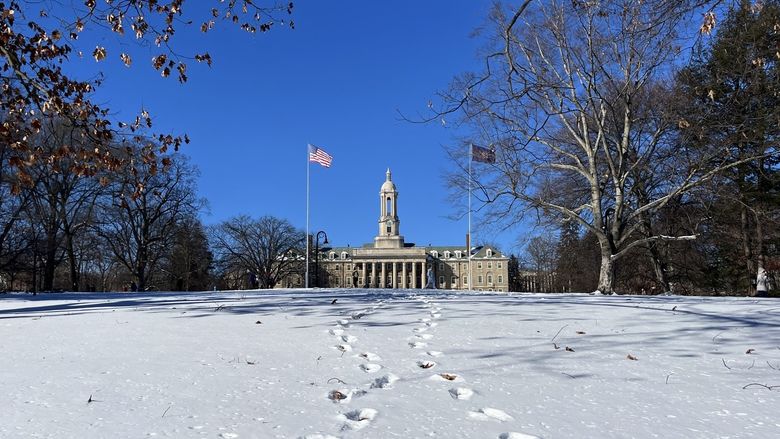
750, 351
708, 23
126, 59
569, 349
99, 54
631, 357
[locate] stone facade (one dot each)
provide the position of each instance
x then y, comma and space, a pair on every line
389, 262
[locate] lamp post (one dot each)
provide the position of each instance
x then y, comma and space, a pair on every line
317, 256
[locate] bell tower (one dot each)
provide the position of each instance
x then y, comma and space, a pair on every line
389, 224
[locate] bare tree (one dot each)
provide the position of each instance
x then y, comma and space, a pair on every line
574, 101
139, 229
267, 247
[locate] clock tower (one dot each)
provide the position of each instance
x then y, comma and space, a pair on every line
389, 223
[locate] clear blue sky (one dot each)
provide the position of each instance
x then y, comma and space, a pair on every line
336, 81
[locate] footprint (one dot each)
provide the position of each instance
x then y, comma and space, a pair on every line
431, 324
318, 436
370, 356
447, 377
343, 322
421, 329
228, 435
461, 393
425, 320
384, 382
417, 345
435, 353
344, 347
340, 396
435, 315
515, 435
426, 364
424, 336
336, 331
357, 419
488, 413
348, 338
370, 367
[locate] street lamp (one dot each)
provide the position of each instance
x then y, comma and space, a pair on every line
317, 256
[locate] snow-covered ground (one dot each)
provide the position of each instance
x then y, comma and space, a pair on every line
379, 363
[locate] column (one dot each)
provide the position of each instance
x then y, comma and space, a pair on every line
384, 276
403, 276
372, 282
395, 275
414, 274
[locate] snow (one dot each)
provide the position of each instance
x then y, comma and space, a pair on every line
289, 364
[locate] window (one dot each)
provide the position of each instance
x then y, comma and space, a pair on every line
349, 266
489, 253
435, 254
479, 264
465, 280
500, 279
344, 255
499, 264
441, 280
490, 264
446, 255
490, 278
441, 265
458, 254
479, 279
338, 267
453, 281
332, 255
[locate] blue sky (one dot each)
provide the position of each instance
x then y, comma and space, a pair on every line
338, 81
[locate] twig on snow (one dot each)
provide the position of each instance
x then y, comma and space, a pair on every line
570, 376
724, 363
667, 378
559, 332
770, 366
761, 385
337, 380
716, 336
751, 366
166, 411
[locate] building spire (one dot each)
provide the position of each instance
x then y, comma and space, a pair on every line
388, 174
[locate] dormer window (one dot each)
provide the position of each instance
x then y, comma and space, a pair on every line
332, 256
435, 254
458, 254
344, 255
489, 253
446, 255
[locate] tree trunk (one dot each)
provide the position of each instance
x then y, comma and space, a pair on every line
746, 250
659, 267
74, 273
607, 271
51, 255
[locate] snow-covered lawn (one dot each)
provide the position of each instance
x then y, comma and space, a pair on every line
379, 363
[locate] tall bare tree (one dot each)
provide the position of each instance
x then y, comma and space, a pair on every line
575, 102
267, 247
139, 229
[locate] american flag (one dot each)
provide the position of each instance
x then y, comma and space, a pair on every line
318, 155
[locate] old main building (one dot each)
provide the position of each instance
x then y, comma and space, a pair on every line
389, 262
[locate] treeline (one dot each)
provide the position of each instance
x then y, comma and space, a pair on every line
136, 227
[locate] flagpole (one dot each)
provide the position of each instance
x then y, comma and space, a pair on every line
306, 282
469, 244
